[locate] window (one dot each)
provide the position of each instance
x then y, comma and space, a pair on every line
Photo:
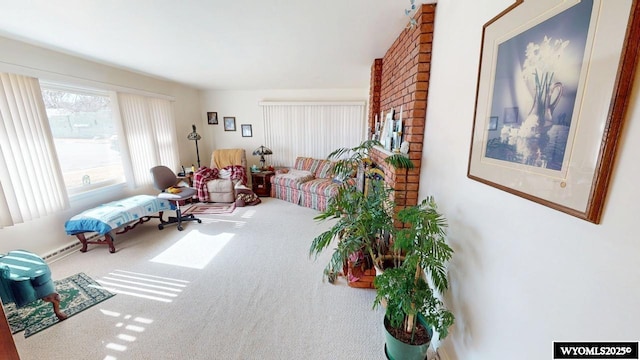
85, 135
311, 129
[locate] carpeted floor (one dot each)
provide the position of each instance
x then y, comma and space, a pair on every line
77, 293
237, 286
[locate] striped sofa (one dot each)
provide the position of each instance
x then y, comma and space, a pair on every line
310, 183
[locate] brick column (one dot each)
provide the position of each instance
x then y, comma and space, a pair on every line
374, 94
404, 81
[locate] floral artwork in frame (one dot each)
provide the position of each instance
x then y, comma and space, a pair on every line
545, 67
229, 123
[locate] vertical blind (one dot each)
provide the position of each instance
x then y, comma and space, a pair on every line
150, 132
311, 129
31, 182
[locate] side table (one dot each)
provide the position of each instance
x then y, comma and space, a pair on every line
188, 178
261, 182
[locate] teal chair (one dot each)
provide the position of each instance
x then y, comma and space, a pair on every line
25, 278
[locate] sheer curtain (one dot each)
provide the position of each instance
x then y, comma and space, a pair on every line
31, 183
150, 132
311, 129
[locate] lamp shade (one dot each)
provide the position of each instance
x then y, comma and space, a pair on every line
262, 151
194, 135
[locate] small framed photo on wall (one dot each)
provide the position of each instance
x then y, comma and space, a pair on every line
212, 118
246, 130
229, 123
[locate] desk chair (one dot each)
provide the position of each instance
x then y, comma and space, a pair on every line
25, 278
163, 179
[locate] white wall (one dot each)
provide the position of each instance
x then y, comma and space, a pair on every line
523, 275
244, 106
47, 234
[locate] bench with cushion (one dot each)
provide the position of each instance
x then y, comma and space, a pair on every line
115, 217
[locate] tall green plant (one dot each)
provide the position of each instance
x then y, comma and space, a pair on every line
348, 159
362, 222
405, 288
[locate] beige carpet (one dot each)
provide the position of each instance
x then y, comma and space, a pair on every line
237, 286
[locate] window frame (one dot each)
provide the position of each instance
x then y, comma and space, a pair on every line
111, 185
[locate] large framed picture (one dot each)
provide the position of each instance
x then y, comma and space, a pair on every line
553, 86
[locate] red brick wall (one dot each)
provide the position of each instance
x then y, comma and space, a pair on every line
374, 92
403, 78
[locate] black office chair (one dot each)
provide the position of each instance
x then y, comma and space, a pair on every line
163, 179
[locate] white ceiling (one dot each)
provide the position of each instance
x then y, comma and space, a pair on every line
218, 44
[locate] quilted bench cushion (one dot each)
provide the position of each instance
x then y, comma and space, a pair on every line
112, 215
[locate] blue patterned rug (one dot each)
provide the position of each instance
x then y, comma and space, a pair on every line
77, 292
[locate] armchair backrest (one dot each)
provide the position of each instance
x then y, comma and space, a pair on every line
222, 158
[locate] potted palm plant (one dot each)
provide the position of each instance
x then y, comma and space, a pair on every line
363, 224
413, 308
364, 219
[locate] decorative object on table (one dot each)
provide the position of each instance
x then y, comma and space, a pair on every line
404, 147
229, 123
193, 135
397, 133
77, 293
375, 133
562, 152
385, 126
246, 130
212, 118
255, 168
262, 151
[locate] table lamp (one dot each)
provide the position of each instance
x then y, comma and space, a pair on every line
262, 151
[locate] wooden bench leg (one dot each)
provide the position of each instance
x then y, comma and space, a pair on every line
109, 240
55, 300
83, 240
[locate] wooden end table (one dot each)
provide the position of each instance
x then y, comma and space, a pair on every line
261, 182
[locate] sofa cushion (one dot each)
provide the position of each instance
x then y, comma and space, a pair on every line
324, 169
323, 187
306, 163
292, 178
